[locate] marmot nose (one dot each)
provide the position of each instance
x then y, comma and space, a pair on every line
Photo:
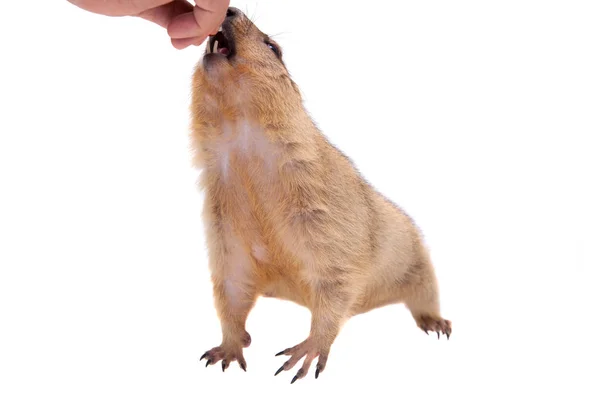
233, 12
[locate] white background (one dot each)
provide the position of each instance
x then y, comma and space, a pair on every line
480, 118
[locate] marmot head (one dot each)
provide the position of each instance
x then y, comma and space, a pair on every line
242, 72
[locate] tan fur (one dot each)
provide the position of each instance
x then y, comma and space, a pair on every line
287, 215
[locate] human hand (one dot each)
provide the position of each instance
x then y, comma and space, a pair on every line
186, 24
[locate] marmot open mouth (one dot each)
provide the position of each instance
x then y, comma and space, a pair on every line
219, 44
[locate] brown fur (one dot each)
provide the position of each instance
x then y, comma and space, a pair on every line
287, 215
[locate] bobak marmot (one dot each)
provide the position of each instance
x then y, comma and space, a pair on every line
287, 215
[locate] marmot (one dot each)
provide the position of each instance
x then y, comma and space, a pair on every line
286, 214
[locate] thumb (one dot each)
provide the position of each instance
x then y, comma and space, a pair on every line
201, 22
162, 15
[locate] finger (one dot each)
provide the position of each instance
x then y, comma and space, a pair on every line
213, 6
211, 15
184, 26
118, 8
306, 365
289, 364
283, 352
301, 373
199, 22
322, 362
241, 361
225, 364
181, 44
163, 15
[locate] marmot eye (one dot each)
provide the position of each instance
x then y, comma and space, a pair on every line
274, 48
